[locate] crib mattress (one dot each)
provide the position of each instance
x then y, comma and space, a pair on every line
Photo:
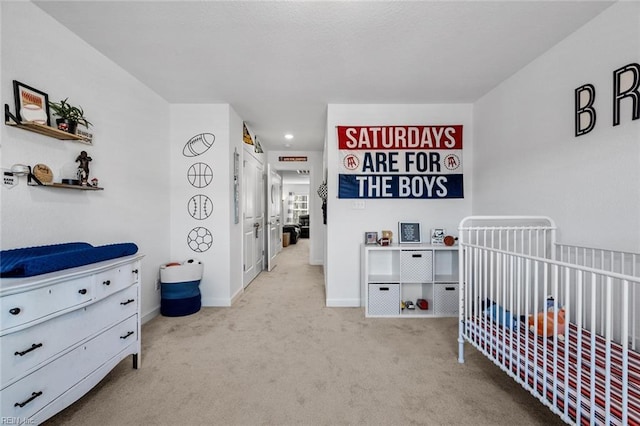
30, 261
531, 359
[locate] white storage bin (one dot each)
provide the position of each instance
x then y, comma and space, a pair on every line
446, 299
384, 299
416, 266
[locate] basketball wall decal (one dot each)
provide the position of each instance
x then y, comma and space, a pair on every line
198, 144
200, 175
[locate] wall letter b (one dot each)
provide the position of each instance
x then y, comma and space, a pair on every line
585, 113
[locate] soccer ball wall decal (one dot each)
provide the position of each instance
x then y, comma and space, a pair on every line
200, 239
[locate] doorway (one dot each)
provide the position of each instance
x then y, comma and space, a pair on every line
296, 193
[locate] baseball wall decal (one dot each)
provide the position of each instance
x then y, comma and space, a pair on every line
200, 206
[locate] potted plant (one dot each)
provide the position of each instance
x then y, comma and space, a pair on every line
69, 115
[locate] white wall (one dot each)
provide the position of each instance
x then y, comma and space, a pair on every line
222, 272
314, 165
527, 160
296, 188
130, 151
235, 229
346, 225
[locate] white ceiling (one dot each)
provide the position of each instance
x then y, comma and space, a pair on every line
293, 177
280, 63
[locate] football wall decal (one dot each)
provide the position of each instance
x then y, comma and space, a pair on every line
198, 144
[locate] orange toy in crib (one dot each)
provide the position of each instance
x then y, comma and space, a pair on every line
540, 330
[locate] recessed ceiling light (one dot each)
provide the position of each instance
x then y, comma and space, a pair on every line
288, 136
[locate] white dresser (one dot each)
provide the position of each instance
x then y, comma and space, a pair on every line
62, 332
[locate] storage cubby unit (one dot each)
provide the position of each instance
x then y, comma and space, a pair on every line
396, 274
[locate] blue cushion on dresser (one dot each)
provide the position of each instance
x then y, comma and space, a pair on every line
30, 261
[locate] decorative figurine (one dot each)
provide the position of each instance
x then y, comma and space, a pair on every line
83, 168
94, 182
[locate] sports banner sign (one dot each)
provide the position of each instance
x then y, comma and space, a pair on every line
400, 162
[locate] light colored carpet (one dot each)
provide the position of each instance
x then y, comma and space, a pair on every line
280, 357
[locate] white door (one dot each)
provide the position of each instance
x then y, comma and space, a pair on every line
253, 218
274, 208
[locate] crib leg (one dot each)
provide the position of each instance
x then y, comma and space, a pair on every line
460, 346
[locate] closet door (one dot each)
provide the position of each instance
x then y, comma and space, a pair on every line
274, 207
253, 218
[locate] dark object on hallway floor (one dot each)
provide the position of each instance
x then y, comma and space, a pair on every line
304, 226
294, 232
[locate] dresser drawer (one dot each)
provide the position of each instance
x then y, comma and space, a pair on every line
22, 308
108, 282
25, 349
26, 397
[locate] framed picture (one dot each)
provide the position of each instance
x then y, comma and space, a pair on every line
31, 104
409, 232
370, 237
437, 235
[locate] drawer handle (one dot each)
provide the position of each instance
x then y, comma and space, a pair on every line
127, 302
14, 311
135, 271
384, 288
34, 395
82, 291
107, 282
416, 255
450, 288
32, 348
126, 335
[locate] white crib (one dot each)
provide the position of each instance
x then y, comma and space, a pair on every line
511, 267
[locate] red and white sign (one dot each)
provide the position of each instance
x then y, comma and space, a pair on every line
400, 161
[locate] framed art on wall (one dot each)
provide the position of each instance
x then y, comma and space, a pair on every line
409, 232
31, 104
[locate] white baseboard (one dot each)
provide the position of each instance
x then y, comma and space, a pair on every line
215, 302
150, 315
343, 303
236, 296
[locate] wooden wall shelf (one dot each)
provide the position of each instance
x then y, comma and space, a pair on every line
67, 186
48, 131
52, 132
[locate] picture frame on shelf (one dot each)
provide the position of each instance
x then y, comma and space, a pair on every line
409, 233
370, 237
437, 236
32, 105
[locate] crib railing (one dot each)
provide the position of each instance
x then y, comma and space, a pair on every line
509, 272
596, 302
621, 262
